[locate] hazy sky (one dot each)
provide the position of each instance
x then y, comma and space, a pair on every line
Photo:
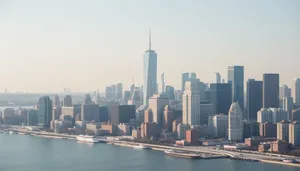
84, 45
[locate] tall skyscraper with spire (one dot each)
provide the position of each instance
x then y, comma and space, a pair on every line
150, 73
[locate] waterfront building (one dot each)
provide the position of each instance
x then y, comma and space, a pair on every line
235, 125
283, 131
90, 112
136, 133
236, 79
192, 136
123, 129
157, 104
67, 102
268, 129
32, 117
264, 115
206, 110
295, 115
150, 73
270, 90
253, 99
251, 129
121, 113
61, 126
149, 130
296, 90
170, 92
181, 130
294, 133
168, 116
218, 125
191, 103
220, 96
45, 111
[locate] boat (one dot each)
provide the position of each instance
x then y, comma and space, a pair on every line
11, 132
141, 146
88, 139
169, 151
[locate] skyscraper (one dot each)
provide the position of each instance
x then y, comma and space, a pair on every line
271, 90
193, 76
119, 92
235, 124
184, 78
45, 111
163, 82
56, 100
296, 90
191, 103
236, 79
284, 91
150, 73
87, 99
218, 77
254, 98
220, 96
67, 102
170, 92
157, 104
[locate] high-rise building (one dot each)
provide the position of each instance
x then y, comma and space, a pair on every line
295, 115
56, 100
170, 92
286, 104
192, 136
235, 124
149, 130
45, 111
150, 73
284, 91
168, 117
111, 93
279, 114
87, 99
163, 86
270, 90
121, 113
218, 125
193, 76
56, 112
157, 104
218, 77
184, 78
178, 95
126, 97
294, 133
296, 90
148, 116
32, 117
254, 99
283, 131
67, 102
90, 112
181, 130
220, 96
250, 129
191, 103
119, 92
103, 114
264, 115
267, 129
236, 79
206, 110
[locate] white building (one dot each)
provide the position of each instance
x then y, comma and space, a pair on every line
279, 114
181, 130
264, 115
296, 90
235, 124
218, 125
206, 110
191, 103
157, 104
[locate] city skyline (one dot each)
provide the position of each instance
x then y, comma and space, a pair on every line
74, 49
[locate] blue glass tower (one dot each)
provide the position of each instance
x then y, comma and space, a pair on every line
236, 79
150, 73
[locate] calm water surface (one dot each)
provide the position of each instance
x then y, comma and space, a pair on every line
28, 153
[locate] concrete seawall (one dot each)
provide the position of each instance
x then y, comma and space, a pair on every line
282, 163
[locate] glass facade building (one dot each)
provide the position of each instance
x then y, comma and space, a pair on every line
254, 99
236, 79
45, 111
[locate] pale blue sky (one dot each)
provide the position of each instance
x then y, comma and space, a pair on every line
85, 45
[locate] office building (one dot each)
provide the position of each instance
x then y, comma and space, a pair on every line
286, 104
181, 130
296, 90
90, 112
150, 73
295, 115
163, 86
103, 114
294, 133
157, 104
178, 95
191, 103
279, 114
136, 98
268, 129
56, 112
184, 78
87, 99
220, 96
218, 125
67, 102
126, 97
193, 76
236, 79
253, 99
264, 115
192, 136
270, 90
218, 78
45, 111
123, 129
56, 100
71, 111
235, 124
206, 110
168, 117
284, 91
111, 92
148, 116
32, 117
175, 123
283, 131
170, 92
121, 113
119, 93
251, 129
149, 130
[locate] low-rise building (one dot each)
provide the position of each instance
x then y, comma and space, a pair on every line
136, 133
123, 129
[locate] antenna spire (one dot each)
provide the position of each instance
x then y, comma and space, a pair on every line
150, 39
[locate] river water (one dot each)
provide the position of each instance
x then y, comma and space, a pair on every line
29, 153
